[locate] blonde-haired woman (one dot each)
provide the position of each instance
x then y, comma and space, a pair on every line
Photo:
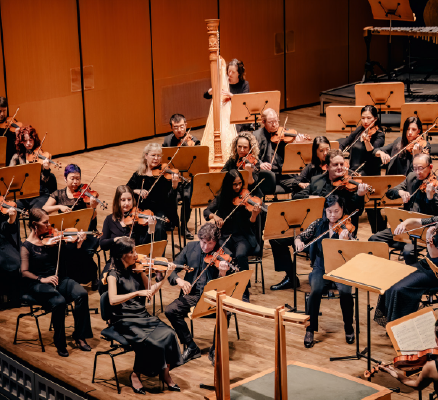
161, 199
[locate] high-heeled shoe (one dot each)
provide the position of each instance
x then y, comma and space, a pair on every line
138, 391
172, 388
84, 347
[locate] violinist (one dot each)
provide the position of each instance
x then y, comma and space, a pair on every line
240, 223
362, 142
53, 291
320, 148
154, 343
418, 194
244, 145
334, 210
10, 134
401, 164
63, 200
179, 127
26, 143
267, 149
192, 286
162, 199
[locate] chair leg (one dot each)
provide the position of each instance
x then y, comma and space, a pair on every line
237, 326
196, 221
161, 301
16, 328
263, 277
98, 263
153, 306
115, 374
39, 333
191, 328
94, 368
173, 245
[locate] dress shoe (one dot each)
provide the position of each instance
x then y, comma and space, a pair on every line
191, 354
137, 391
308, 340
62, 351
172, 388
349, 338
189, 235
83, 347
245, 298
211, 355
286, 283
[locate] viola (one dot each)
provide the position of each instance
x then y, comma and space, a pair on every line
286, 136
40, 157
166, 172
187, 140
143, 263
6, 205
249, 202
140, 216
85, 193
216, 257
248, 159
348, 183
69, 235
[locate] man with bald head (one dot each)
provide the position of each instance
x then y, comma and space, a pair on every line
267, 149
425, 202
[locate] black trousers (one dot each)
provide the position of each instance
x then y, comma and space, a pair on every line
55, 299
387, 237
285, 181
282, 255
185, 194
38, 202
86, 270
376, 220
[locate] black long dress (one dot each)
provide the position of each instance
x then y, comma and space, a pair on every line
9, 258
155, 343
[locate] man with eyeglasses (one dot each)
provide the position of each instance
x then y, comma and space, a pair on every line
179, 126
425, 202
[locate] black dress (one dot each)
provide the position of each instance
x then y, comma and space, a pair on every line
155, 344
9, 258
305, 176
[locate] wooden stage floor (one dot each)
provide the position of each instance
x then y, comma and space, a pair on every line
253, 353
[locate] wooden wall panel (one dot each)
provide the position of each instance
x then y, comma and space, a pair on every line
247, 32
40, 48
116, 42
320, 59
180, 57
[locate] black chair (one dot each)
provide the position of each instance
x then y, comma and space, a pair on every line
269, 186
257, 257
119, 345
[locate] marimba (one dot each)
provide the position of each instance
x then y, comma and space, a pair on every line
429, 33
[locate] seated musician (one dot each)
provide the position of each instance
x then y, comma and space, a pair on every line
320, 148
155, 345
422, 200
9, 256
320, 186
179, 127
267, 149
10, 134
62, 201
334, 210
155, 194
238, 222
53, 290
193, 284
362, 142
428, 374
402, 164
243, 144
26, 143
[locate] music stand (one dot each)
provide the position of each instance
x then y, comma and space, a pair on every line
427, 112
341, 118
373, 274
337, 253
386, 96
190, 160
298, 155
3, 142
79, 219
282, 221
145, 249
246, 107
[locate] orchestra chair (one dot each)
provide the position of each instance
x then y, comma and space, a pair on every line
257, 258
270, 188
118, 344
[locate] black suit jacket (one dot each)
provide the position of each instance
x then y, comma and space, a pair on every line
266, 151
172, 141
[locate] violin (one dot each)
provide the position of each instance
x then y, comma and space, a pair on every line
421, 142
249, 202
434, 231
187, 140
286, 136
160, 264
369, 132
346, 182
415, 361
248, 159
216, 257
324, 167
346, 224
69, 235
166, 172
6, 205
11, 124
431, 179
40, 157
85, 193
141, 217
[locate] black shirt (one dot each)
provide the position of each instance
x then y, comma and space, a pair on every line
172, 141
235, 88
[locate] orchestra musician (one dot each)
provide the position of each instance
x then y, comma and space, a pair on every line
238, 222
179, 128
155, 345
267, 149
63, 200
334, 210
10, 134
414, 199
193, 285
39, 264
27, 142
162, 199
320, 148
402, 163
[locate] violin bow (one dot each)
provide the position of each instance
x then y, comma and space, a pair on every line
322, 234
282, 134
11, 122
41, 144
59, 248
88, 186
243, 199
136, 211
358, 137
7, 190
185, 137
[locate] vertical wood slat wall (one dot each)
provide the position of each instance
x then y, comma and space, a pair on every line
138, 74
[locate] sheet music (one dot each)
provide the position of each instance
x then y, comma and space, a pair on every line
416, 334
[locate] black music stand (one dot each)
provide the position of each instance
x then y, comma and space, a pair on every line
190, 160
282, 221
248, 107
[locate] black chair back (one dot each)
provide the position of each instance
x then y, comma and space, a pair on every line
105, 307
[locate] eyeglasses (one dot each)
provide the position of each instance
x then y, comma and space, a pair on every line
179, 128
419, 169
273, 122
155, 155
